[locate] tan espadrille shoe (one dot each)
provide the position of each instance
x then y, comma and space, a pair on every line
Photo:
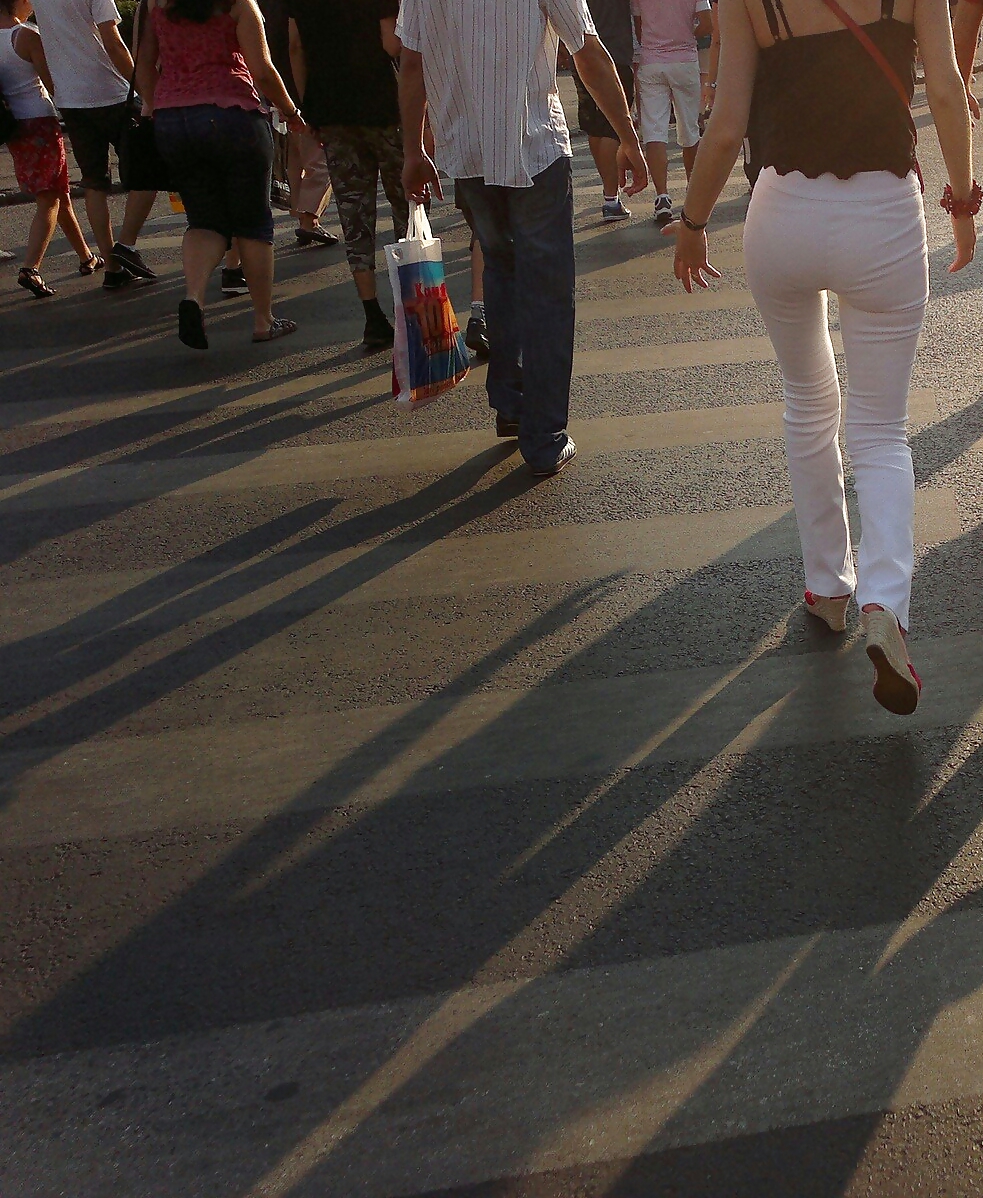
832, 611
896, 685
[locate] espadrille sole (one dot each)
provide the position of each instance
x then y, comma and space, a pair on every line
831, 611
896, 686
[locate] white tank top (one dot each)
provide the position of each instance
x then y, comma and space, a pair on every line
19, 82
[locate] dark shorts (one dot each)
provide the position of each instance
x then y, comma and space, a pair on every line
220, 162
92, 131
591, 120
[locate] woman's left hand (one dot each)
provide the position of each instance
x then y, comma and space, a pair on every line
691, 265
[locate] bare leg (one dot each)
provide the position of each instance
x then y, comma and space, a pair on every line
364, 283
657, 157
97, 210
203, 250
42, 228
70, 227
604, 151
138, 206
257, 266
477, 273
689, 157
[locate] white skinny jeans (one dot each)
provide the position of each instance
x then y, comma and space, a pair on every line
864, 239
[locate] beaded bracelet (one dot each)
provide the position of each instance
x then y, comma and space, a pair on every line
956, 207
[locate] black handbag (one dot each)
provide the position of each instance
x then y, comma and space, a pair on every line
8, 122
141, 168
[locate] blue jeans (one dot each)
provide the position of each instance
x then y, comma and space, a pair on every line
526, 236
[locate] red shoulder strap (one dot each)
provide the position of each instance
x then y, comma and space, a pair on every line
889, 73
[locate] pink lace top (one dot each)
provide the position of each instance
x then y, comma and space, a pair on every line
201, 63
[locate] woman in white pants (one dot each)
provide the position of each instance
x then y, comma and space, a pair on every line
837, 207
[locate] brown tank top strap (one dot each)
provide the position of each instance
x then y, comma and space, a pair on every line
775, 11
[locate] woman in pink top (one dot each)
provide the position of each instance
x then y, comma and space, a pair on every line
198, 68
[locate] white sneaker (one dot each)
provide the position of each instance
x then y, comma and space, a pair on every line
567, 454
663, 210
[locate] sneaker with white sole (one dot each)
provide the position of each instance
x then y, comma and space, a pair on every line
615, 210
663, 211
234, 281
567, 454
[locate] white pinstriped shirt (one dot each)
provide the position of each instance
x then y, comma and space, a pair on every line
490, 73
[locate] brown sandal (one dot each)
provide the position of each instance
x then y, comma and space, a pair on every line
279, 328
91, 265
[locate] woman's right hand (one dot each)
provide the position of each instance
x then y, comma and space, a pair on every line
964, 235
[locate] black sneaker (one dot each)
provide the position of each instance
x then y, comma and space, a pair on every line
476, 336
379, 334
234, 281
505, 427
132, 261
116, 280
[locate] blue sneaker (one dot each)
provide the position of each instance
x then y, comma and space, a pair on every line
615, 210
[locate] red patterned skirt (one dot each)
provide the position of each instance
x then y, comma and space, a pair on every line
38, 151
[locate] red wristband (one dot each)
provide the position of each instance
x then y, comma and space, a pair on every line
956, 207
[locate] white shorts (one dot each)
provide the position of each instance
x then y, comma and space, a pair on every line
660, 84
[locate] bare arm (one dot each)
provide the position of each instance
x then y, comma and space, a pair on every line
252, 42
966, 34
419, 171
119, 56
390, 42
721, 142
146, 66
29, 47
298, 59
704, 26
713, 67
946, 93
598, 75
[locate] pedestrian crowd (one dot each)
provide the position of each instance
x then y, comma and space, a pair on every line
817, 92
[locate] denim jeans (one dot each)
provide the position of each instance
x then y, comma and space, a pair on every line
220, 161
526, 236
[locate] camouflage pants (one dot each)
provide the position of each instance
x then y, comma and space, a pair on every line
357, 155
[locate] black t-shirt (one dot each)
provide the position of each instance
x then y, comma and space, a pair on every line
612, 20
350, 78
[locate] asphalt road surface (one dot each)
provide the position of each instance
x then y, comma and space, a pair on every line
377, 820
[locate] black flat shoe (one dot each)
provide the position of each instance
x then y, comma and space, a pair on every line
315, 236
32, 281
191, 325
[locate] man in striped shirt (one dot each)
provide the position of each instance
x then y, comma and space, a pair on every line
488, 70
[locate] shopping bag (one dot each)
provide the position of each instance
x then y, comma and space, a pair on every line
280, 179
429, 354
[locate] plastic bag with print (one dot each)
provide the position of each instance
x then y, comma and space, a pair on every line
429, 354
